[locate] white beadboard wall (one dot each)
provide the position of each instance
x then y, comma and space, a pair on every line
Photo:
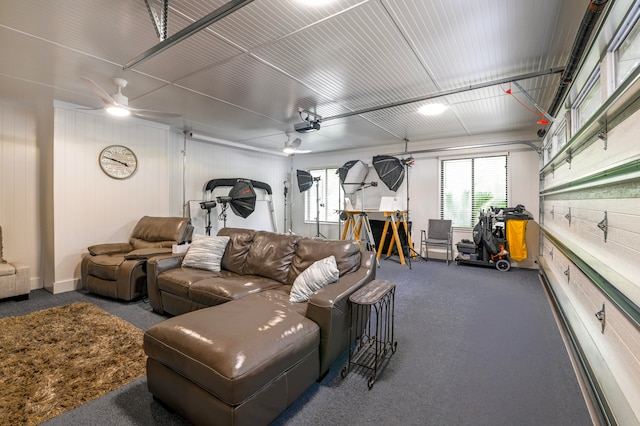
88, 206
19, 187
207, 160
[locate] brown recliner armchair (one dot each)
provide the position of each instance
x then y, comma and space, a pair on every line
119, 270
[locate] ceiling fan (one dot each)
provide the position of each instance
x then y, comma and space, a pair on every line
291, 146
118, 104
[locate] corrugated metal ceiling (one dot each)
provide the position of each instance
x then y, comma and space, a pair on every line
244, 77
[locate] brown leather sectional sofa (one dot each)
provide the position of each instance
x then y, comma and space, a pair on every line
238, 351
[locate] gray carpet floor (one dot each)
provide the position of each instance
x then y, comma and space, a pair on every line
475, 347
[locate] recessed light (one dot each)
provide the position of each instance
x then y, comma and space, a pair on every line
432, 109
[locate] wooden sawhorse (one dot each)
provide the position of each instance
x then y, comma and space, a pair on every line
395, 218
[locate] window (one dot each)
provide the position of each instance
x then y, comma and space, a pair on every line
588, 101
329, 192
470, 185
560, 137
626, 47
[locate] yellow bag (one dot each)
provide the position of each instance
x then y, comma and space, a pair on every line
516, 233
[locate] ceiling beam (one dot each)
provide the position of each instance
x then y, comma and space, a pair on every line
447, 93
188, 31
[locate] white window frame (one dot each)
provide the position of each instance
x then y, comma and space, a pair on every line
579, 118
329, 208
560, 137
630, 24
474, 211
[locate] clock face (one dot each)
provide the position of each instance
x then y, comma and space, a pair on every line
118, 161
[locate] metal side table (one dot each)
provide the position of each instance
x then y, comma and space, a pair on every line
371, 335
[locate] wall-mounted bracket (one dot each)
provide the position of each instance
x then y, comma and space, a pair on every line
553, 170
552, 212
568, 216
569, 158
604, 226
602, 317
551, 253
567, 273
602, 135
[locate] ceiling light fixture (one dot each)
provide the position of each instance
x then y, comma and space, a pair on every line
291, 147
432, 109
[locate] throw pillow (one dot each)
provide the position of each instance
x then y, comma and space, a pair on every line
316, 276
205, 252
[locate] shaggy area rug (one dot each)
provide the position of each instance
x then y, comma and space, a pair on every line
54, 360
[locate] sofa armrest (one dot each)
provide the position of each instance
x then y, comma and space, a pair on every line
155, 266
109, 248
146, 253
329, 307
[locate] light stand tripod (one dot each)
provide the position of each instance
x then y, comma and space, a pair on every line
286, 190
364, 220
223, 213
208, 205
408, 249
317, 181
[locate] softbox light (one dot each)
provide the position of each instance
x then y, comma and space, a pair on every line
242, 198
352, 175
390, 170
305, 180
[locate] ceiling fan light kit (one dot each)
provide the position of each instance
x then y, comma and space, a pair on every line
117, 104
118, 111
291, 146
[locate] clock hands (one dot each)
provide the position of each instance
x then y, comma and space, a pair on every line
117, 161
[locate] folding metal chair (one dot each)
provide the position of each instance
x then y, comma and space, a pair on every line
439, 234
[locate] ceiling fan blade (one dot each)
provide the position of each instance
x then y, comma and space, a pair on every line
148, 113
99, 91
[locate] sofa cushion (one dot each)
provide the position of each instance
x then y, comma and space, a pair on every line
316, 276
205, 252
237, 249
228, 286
177, 281
280, 296
270, 255
308, 251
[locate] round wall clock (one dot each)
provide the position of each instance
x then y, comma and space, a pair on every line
118, 161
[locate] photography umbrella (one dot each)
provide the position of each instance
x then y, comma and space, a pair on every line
305, 180
241, 198
352, 175
390, 169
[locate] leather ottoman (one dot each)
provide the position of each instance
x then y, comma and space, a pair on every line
242, 362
